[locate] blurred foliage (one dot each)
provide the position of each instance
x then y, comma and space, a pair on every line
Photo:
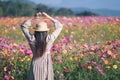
25, 8
16, 9
64, 11
1, 11
87, 13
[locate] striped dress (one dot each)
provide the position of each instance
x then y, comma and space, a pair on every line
41, 68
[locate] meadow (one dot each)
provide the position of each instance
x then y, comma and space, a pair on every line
88, 48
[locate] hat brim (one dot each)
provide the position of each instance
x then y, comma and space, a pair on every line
41, 30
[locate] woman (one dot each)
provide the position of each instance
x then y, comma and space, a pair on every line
40, 43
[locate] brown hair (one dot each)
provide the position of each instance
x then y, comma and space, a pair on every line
40, 42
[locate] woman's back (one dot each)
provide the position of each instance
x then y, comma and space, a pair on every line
41, 67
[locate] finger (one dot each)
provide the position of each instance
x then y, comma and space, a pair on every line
39, 12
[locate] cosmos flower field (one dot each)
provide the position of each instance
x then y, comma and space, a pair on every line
88, 48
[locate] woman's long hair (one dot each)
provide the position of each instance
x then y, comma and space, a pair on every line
40, 43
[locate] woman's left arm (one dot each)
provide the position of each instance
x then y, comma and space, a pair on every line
58, 27
25, 29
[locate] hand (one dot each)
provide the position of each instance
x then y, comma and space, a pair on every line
36, 18
37, 15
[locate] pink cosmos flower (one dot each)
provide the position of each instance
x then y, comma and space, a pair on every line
102, 58
6, 77
93, 62
102, 35
86, 46
59, 61
100, 70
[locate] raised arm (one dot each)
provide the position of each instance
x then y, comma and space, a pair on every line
25, 29
58, 27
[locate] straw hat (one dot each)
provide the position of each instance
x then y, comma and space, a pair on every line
41, 26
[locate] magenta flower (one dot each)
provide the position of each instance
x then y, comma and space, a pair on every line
118, 44
65, 40
108, 43
28, 52
53, 48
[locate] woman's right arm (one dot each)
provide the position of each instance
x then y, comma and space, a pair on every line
25, 29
